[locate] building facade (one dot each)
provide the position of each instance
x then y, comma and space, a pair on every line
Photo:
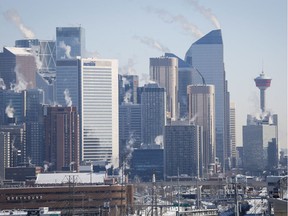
99, 110
164, 71
61, 137
183, 150
201, 106
153, 112
70, 42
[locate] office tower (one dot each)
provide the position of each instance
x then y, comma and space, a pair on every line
4, 153
18, 68
128, 89
183, 149
99, 112
146, 162
257, 141
164, 71
233, 134
44, 52
68, 83
120, 89
201, 107
185, 74
262, 82
17, 141
61, 138
153, 110
129, 128
11, 106
70, 42
34, 99
139, 93
206, 56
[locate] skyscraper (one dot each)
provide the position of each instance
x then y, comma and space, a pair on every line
201, 104
99, 111
61, 137
129, 127
70, 42
129, 87
153, 109
18, 68
68, 88
34, 99
233, 134
206, 55
4, 153
164, 71
183, 149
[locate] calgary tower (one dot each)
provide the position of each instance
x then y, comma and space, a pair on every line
262, 82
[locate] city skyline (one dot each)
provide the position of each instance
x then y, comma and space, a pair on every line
252, 43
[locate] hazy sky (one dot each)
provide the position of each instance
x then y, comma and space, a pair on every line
254, 36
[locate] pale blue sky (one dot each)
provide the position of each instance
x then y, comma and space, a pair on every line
254, 31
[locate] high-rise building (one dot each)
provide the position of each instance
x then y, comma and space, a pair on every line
99, 111
4, 153
17, 141
164, 71
11, 106
185, 75
201, 104
35, 147
129, 128
70, 42
44, 52
61, 137
18, 68
257, 141
129, 85
68, 83
183, 149
233, 134
206, 56
153, 109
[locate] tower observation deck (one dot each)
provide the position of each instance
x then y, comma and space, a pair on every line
262, 82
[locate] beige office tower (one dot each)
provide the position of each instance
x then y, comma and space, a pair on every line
201, 105
164, 71
233, 134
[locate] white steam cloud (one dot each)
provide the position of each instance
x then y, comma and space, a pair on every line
21, 84
159, 140
129, 68
9, 110
152, 43
67, 49
206, 12
13, 16
67, 97
193, 119
127, 96
167, 17
2, 84
35, 51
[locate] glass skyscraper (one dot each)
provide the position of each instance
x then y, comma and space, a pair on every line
70, 42
206, 55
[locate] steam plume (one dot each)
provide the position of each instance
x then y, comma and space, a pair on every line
127, 96
66, 48
21, 84
128, 69
205, 12
36, 57
10, 111
152, 43
159, 140
2, 84
193, 119
167, 17
67, 98
13, 16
